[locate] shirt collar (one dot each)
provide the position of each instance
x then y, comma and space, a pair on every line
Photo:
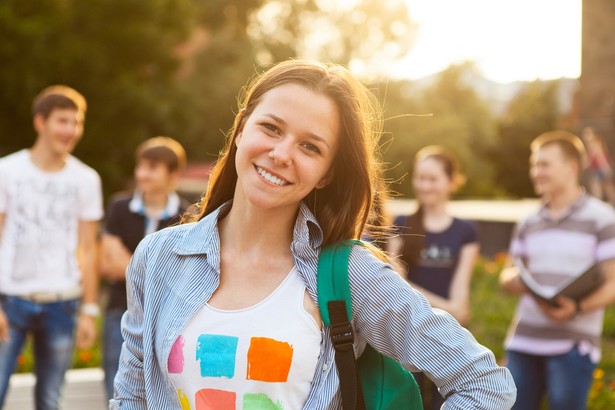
576, 205
203, 236
137, 206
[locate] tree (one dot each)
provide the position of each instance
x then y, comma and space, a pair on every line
169, 67
363, 34
448, 113
244, 37
119, 54
533, 111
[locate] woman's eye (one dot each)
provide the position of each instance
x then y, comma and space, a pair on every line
270, 127
311, 147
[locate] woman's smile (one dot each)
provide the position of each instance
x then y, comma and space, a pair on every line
269, 177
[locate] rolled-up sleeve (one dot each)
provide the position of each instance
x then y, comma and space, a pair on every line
129, 382
398, 321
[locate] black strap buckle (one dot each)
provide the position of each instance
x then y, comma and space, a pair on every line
342, 336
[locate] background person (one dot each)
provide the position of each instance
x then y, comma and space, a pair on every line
437, 251
153, 205
50, 205
600, 182
553, 350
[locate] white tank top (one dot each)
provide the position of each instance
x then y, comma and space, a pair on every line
261, 357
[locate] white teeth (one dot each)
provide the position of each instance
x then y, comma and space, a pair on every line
271, 178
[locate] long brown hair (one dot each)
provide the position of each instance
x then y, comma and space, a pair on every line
343, 206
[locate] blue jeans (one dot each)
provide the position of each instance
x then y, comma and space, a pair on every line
52, 327
112, 346
565, 379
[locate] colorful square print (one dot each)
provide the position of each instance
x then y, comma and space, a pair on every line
183, 399
216, 354
212, 399
269, 360
176, 357
259, 401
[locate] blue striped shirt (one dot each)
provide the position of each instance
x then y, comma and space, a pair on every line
174, 272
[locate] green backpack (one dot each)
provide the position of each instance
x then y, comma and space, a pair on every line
383, 383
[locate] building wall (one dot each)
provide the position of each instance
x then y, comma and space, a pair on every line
597, 94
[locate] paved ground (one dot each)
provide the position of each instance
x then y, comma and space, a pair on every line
83, 390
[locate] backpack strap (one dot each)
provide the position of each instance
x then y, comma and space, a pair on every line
335, 304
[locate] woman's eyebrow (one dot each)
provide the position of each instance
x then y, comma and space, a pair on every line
311, 135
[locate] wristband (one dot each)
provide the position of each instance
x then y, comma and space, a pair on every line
90, 309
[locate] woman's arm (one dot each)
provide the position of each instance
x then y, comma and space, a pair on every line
458, 303
399, 322
130, 380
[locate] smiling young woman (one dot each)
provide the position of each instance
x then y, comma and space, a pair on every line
222, 311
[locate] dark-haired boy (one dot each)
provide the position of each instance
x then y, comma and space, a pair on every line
553, 350
50, 205
152, 206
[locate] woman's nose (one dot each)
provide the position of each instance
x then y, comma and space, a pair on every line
281, 153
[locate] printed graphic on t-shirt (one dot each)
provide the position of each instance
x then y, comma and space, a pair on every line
437, 256
43, 225
267, 360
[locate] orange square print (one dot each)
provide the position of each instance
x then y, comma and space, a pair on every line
269, 360
213, 399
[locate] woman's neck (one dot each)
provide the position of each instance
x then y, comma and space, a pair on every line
247, 228
436, 218
435, 210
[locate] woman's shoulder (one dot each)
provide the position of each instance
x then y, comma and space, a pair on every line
464, 223
465, 229
170, 237
365, 260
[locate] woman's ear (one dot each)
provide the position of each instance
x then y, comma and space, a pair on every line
325, 181
241, 122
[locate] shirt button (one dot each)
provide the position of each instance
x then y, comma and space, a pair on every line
324, 367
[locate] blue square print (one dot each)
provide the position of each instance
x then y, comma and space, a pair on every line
216, 355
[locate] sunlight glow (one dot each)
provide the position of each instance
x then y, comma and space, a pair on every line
508, 40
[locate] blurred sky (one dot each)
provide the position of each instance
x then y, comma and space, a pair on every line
508, 39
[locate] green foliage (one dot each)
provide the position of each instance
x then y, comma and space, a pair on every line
458, 119
532, 112
118, 53
366, 33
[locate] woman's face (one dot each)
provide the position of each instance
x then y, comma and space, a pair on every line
432, 185
286, 147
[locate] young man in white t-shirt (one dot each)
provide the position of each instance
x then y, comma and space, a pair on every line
50, 205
